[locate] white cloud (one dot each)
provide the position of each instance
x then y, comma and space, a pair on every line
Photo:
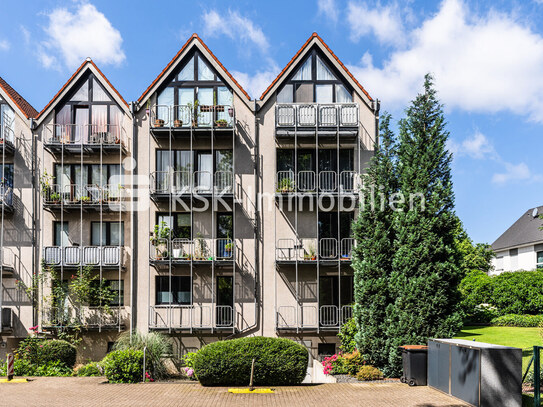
234, 26
4, 45
482, 63
26, 34
384, 23
73, 36
478, 147
518, 172
329, 9
257, 83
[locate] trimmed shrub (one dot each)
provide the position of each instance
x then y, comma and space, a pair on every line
56, 351
90, 369
346, 336
528, 321
53, 368
278, 362
123, 366
354, 361
369, 373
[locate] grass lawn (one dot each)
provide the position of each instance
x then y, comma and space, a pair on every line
524, 338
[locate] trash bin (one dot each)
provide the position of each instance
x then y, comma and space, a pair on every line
415, 362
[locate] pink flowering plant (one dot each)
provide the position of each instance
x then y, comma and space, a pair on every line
334, 364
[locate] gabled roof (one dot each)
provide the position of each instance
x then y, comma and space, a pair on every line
524, 231
194, 40
314, 39
24, 107
88, 64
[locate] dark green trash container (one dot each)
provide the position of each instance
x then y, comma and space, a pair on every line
415, 362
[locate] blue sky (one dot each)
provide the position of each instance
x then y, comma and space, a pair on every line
487, 57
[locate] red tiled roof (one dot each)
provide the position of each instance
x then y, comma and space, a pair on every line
21, 103
314, 35
179, 53
90, 61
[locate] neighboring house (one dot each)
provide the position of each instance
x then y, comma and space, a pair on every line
521, 246
238, 220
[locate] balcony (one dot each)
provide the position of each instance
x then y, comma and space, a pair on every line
180, 118
311, 250
309, 117
187, 250
191, 317
86, 138
323, 182
91, 318
90, 196
312, 317
164, 183
77, 256
7, 139
6, 198
7, 260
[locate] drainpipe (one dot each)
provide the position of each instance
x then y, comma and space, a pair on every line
376, 108
257, 215
34, 216
134, 223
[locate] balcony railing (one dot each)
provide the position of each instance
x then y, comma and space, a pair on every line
187, 116
7, 134
199, 249
312, 317
6, 195
324, 181
86, 134
311, 249
186, 182
71, 256
70, 315
196, 316
70, 194
316, 115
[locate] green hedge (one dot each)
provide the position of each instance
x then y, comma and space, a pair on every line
57, 350
528, 321
517, 292
90, 369
123, 366
277, 362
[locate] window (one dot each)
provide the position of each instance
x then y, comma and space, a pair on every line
117, 293
323, 73
539, 263
181, 229
60, 237
324, 93
112, 233
204, 72
187, 73
178, 293
304, 73
225, 229
286, 94
7, 116
89, 174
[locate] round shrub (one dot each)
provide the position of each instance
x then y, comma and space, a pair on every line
124, 366
369, 373
56, 350
527, 321
90, 369
278, 362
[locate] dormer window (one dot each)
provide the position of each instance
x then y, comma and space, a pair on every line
314, 82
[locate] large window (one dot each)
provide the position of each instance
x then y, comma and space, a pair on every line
88, 174
61, 237
7, 117
88, 115
116, 287
107, 233
314, 82
179, 224
539, 264
306, 160
178, 293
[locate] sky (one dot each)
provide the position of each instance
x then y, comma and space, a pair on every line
486, 57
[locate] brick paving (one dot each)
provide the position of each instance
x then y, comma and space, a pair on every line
93, 391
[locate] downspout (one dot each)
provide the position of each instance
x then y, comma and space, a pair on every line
376, 108
134, 223
34, 216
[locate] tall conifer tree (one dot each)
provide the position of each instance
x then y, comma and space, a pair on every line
372, 260
423, 285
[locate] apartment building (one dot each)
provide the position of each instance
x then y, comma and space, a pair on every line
209, 215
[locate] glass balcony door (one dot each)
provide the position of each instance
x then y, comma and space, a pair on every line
225, 301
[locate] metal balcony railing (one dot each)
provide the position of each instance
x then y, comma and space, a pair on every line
306, 182
347, 245
7, 257
70, 315
328, 249
185, 182
311, 316
6, 195
199, 249
71, 256
186, 116
285, 182
196, 316
316, 115
327, 181
90, 194
86, 134
311, 249
7, 134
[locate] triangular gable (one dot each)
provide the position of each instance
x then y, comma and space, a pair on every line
16, 101
87, 65
194, 41
300, 57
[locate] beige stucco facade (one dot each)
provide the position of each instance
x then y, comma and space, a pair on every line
263, 269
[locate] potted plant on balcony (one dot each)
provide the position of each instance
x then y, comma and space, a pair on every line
285, 185
159, 239
312, 253
201, 252
221, 123
159, 123
45, 183
193, 107
85, 199
55, 197
177, 123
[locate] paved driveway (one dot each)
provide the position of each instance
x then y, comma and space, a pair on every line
92, 391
